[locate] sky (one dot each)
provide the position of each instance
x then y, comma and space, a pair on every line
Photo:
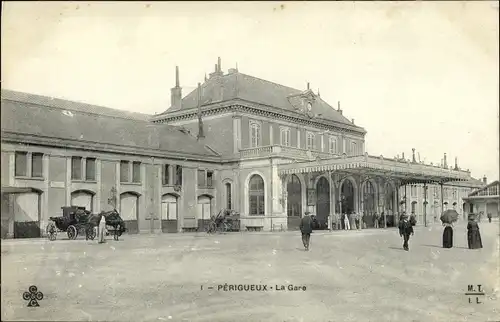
421, 75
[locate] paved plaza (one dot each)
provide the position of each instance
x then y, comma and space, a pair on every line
348, 276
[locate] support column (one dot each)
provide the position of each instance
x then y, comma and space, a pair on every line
332, 200
277, 210
68, 181
44, 211
442, 199
425, 204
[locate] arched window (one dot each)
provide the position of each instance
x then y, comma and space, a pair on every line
310, 141
285, 136
256, 196
229, 204
333, 145
413, 207
255, 136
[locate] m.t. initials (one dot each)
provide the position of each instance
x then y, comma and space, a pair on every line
472, 291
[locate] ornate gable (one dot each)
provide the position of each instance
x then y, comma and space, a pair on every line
303, 102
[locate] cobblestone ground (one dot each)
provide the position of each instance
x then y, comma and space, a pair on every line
348, 275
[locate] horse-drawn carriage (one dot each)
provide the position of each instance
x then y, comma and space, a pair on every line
225, 220
76, 220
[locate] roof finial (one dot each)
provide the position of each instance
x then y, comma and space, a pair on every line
307, 85
338, 105
219, 66
205, 77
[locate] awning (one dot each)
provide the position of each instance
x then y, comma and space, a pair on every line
407, 172
9, 190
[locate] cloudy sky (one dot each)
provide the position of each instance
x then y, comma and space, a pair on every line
416, 75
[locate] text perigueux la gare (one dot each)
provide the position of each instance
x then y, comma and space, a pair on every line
256, 287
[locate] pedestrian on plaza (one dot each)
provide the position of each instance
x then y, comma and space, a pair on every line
413, 219
448, 235
102, 228
306, 229
489, 217
347, 224
376, 218
473, 234
405, 230
342, 221
357, 221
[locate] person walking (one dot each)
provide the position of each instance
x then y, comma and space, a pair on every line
405, 230
489, 217
102, 228
375, 220
357, 220
448, 235
306, 229
347, 225
473, 234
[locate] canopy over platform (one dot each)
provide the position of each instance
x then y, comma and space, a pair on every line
405, 172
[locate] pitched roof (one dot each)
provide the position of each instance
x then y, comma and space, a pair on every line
71, 105
73, 122
478, 191
238, 85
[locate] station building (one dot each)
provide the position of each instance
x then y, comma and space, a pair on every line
268, 151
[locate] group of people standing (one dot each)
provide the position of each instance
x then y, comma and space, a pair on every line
473, 234
406, 224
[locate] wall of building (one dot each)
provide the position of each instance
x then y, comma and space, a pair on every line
57, 189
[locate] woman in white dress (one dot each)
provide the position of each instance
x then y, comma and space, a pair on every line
102, 228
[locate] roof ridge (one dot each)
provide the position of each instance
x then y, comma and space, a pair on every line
268, 81
85, 105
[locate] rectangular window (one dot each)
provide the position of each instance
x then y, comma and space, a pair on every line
166, 174
90, 169
37, 165
254, 135
76, 168
124, 168
21, 166
209, 179
201, 178
353, 148
285, 137
136, 172
178, 175
310, 141
333, 145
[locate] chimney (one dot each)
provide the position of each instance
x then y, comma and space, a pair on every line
206, 77
403, 156
201, 134
445, 163
219, 65
352, 121
307, 85
218, 69
414, 160
338, 108
456, 163
176, 92
485, 181
319, 95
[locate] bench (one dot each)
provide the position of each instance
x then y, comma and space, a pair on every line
254, 228
277, 227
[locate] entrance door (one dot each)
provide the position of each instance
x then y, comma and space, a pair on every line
294, 202
322, 202
26, 215
82, 199
204, 211
129, 211
169, 213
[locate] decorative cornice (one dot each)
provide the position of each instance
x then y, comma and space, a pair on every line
247, 107
22, 138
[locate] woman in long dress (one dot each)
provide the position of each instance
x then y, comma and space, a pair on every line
448, 235
473, 234
102, 228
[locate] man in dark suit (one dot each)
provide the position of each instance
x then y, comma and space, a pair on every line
306, 229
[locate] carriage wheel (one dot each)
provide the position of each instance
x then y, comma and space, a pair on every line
91, 233
51, 231
72, 232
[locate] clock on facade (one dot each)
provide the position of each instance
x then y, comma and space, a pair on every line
309, 106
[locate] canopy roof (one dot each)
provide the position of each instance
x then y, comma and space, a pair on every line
407, 172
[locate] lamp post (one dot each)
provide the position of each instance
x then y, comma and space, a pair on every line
425, 205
